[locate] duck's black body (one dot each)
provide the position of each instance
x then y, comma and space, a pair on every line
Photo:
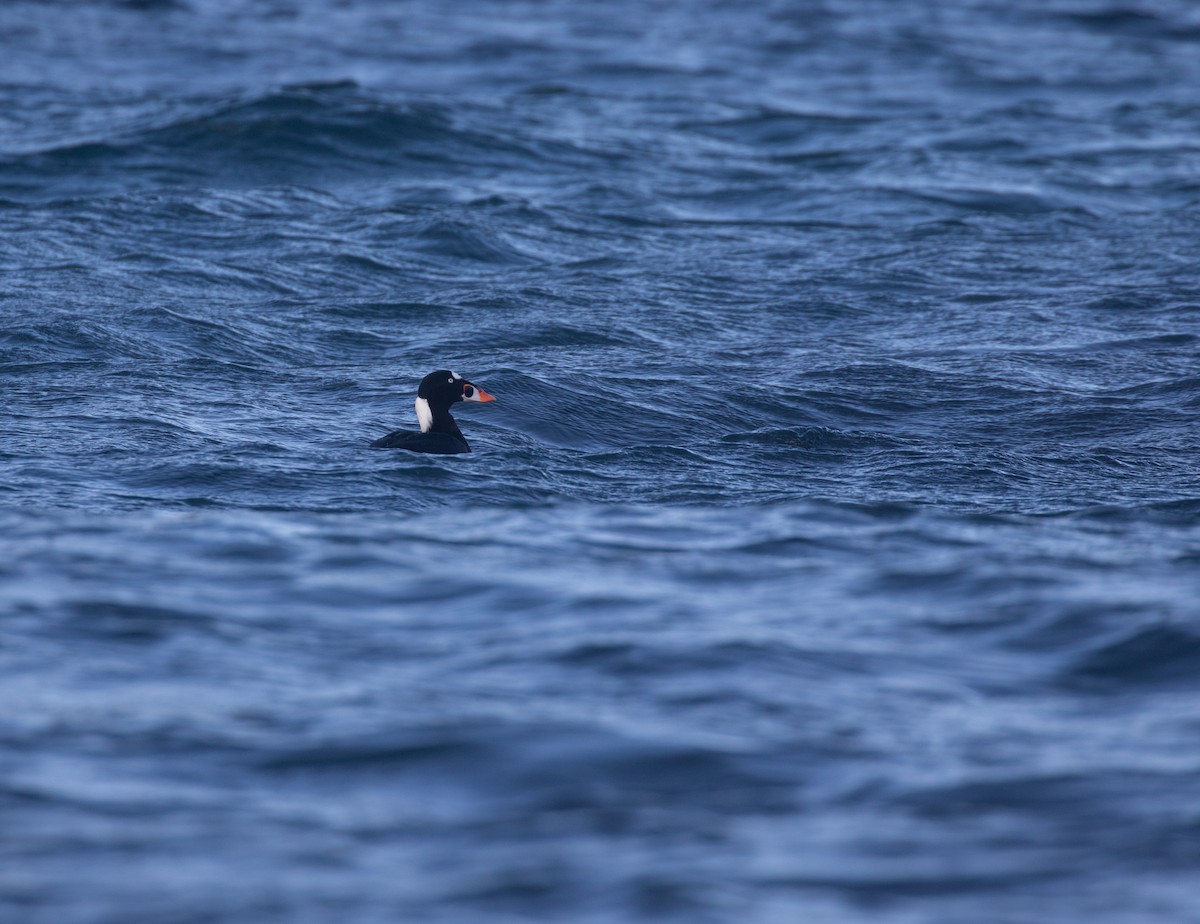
439, 433
441, 443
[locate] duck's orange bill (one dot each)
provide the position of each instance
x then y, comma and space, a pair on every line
481, 395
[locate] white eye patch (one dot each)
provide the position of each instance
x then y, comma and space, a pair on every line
454, 377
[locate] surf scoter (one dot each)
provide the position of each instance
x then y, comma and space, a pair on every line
439, 433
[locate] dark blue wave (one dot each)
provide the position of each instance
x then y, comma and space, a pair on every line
828, 552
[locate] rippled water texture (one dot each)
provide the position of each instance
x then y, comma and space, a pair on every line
829, 555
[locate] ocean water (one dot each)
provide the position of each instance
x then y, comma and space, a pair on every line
831, 553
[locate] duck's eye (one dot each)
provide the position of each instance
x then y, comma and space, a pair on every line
468, 391
450, 380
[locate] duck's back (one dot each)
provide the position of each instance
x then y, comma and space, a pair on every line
444, 444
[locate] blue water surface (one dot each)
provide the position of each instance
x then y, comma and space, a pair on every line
831, 553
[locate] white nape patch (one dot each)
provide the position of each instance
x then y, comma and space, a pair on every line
424, 414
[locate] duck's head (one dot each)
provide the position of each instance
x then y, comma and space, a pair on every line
439, 390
